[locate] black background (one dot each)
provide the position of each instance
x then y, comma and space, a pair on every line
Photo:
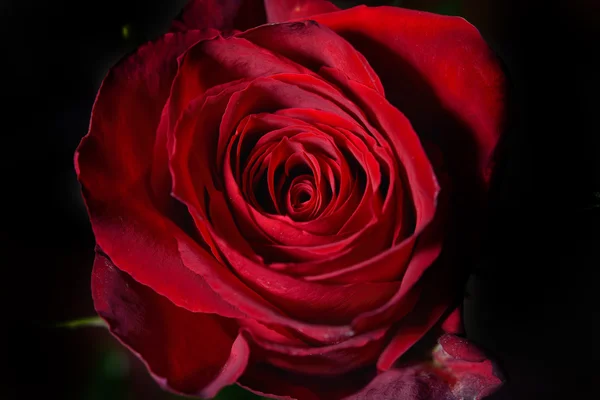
533, 303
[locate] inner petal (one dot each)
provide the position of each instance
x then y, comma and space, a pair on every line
301, 198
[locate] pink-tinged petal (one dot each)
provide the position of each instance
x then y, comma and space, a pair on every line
446, 374
285, 10
432, 66
460, 348
314, 46
224, 15
189, 353
471, 374
410, 383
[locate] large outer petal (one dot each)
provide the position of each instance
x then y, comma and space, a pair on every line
113, 163
119, 147
191, 353
438, 71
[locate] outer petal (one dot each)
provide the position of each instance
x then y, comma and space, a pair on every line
457, 370
436, 69
191, 353
314, 46
331, 360
119, 147
113, 162
275, 383
285, 10
223, 15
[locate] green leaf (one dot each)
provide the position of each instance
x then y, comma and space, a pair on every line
83, 323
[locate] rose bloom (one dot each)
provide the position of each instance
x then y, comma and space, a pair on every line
287, 196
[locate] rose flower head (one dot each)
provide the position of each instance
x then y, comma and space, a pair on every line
287, 196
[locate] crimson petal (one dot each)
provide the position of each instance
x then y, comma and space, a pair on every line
113, 162
314, 46
190, 353
448, 375
430, 63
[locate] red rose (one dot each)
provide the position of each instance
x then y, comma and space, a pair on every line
291, 205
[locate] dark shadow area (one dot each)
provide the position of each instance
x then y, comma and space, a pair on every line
533, 302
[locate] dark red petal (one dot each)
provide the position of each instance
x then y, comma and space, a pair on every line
285, 10
430, 63
412, 328
443, 376
221, 61
191, 353
311, 302
254, 309
119, 147
314, 46
275, 383
421, 179
160, 177
435, 282
409, 383
330, 360
223, 15
113, 163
